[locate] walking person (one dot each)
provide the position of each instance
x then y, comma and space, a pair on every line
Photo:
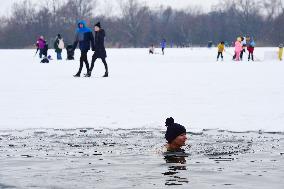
163, 45
40, 44
221, 48
99, 48
85, 38
58, 46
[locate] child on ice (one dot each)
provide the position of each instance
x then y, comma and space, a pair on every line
280, 53
238, 48
244, 44
221, 48
250, 49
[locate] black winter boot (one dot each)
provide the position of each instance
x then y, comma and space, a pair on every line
106, 74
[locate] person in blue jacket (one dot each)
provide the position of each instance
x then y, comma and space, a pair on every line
85, 38
163, 45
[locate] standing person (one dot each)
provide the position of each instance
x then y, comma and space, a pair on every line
58, 46
41, 43
238, 48
151, 49
221, 48
99, 48
250, 48
85, 38
163, 45
175, 136
244, 44
280, 53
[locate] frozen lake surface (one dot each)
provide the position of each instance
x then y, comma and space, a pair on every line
142, 91
57, 131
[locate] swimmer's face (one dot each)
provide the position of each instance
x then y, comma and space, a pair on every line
180, 140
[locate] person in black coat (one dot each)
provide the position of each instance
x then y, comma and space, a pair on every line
99, 48
85, 38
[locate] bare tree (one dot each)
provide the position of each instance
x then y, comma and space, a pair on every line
272, 8
134, 16
139, 26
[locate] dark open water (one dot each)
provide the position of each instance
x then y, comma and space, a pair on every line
89, 158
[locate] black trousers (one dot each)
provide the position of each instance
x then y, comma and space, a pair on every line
220, 53
94, 58
242, 53
251, 56
83, 59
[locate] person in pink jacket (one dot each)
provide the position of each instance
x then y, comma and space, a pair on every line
238, 49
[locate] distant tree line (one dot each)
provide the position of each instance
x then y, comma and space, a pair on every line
140, 26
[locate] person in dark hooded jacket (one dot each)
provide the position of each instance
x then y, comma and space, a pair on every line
99, 48
85, 38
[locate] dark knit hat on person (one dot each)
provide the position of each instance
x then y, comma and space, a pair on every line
98, 24
173, 129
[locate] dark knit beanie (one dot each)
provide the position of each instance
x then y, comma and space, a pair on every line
173, 129
98, 24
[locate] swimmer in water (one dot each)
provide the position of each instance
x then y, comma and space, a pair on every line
175, 135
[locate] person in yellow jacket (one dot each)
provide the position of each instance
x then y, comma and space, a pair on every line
221, 48
280, 53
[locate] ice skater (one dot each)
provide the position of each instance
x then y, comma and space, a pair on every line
280, 52
175, 136
244, 44
163, 45
41, 45
99, 48
221, 48
85, 38
238, 49
250, 49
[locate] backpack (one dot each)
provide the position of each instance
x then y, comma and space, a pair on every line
61, 44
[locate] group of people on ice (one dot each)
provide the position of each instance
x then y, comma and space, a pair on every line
241, 44
84, 37
42, 47
240, 48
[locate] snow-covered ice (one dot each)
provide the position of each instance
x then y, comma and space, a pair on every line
142, 91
